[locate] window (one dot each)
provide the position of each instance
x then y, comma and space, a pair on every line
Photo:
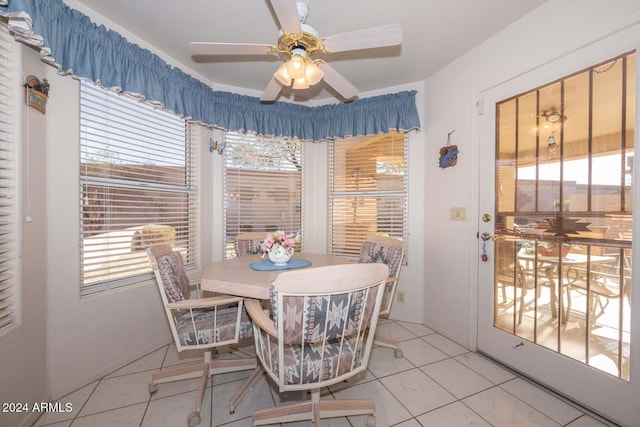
367, 190
262, 186
8, 208
138, 187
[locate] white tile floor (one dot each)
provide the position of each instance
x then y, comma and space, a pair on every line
436, 383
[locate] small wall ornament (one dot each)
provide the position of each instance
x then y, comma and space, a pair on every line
449, 154
37, 93
216, 146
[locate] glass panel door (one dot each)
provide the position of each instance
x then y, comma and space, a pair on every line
563, 213
555, 198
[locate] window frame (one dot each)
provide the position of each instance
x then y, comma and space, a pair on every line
229, 232
176, 195
333, 195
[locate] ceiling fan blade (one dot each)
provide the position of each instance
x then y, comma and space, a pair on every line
272, 91
287, 13
211, 48
337, 81
388, 35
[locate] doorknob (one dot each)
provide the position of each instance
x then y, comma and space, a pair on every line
486, 236
486, 218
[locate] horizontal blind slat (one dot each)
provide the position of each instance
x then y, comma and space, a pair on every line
367, 190
138, 187
8, 253
262, 185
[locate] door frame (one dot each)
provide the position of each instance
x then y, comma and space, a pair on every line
546, 368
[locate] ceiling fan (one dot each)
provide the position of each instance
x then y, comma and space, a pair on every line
300, 42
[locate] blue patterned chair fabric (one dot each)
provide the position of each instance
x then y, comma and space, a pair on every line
174, 279
313, 331
373, 252
212, 325
198, 326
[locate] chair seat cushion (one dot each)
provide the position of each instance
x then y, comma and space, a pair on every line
312, 364
211, 326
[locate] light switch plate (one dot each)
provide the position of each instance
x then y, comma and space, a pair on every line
458, 214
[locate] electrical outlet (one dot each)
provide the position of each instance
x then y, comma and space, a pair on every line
400, 297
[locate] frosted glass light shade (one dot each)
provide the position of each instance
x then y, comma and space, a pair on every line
296, 67
313, 74
282, 75
300, 83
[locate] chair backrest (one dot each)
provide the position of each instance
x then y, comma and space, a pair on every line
388, 251
195, 325
326, 319
171, 279
168, 267
248, 243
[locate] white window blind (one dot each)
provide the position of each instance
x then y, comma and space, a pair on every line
262, 186
8, 208
367, 190
138, 187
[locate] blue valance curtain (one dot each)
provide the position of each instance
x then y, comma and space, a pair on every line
69, 40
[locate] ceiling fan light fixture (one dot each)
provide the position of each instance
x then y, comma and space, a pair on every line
299, 42
313, 73
282, 75
300, 83
553, 116
296, 65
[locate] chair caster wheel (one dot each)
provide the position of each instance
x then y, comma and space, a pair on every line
193, 419
232, 412
398, 353
371, 421
153, 388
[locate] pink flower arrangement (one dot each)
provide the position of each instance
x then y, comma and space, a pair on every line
276, 240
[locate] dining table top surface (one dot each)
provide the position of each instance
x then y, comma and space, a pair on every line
235, 277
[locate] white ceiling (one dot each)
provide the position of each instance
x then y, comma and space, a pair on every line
435, 32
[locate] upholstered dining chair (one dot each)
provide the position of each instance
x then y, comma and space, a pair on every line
388, 251
197, 324
248, 243
324, 321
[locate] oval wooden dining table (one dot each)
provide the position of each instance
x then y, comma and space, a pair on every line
235, 277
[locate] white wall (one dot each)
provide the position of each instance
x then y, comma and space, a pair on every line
23, 360
451, 248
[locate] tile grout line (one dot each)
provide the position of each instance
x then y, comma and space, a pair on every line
498, 384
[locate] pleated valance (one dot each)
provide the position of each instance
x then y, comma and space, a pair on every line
69, 40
